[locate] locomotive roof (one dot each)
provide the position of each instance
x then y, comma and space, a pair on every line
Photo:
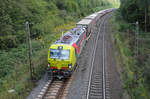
71, 36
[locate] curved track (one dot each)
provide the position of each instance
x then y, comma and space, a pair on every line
98, 88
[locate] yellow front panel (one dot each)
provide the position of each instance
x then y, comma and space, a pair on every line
59, 63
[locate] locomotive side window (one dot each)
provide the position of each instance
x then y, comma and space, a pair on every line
59, 54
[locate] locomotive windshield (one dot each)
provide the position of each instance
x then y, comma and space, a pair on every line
59, 54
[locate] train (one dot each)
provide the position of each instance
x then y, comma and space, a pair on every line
64, 53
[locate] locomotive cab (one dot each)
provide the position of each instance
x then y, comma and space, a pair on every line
61, 60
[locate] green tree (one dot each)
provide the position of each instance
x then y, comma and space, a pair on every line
136, 10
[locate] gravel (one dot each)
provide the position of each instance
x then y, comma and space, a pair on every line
34, 93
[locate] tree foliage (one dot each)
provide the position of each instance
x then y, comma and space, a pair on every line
44, 14
136, 82
136, 10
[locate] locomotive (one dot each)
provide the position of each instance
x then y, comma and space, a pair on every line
64, 53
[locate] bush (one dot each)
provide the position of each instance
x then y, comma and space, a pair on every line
8, 42
136, 69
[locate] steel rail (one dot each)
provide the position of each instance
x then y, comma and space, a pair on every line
104, 88
58, 86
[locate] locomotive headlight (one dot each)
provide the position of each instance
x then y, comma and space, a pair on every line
48, 65
70, 65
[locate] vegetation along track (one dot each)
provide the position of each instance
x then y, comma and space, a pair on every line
98, 86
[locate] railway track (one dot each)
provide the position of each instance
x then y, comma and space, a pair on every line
98, 85
56, 89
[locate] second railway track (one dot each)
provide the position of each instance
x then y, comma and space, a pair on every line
98, 87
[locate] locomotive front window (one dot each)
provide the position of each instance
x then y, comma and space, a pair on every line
59, 54
54, 53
